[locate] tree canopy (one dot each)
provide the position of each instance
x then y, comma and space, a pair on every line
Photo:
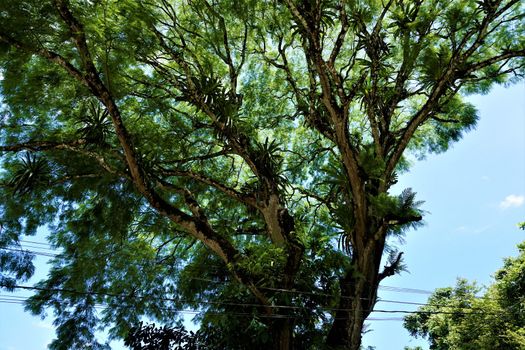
459, 318
230, 157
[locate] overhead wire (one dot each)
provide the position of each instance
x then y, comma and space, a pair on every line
21, 250
6, 299
128, 296
389, 288
36, 242
50, 248
382, 287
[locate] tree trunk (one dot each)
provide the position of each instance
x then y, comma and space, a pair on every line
282, 332
358, 297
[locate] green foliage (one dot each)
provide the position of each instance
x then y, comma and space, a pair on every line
457, 318
94, 123
209, 154
149, 337
29, 173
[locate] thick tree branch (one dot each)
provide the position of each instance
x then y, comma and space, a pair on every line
440, 88
272, 203
202, 220
220, 245
42, 146
299, 18
339, 120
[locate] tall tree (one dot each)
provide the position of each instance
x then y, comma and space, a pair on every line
231, 156
458, 318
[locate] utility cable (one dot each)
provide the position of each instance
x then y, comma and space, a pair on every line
389, 288
128, 296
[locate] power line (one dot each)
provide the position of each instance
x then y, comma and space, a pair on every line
128, 296
398, 289
387, 288
405, 290
35, 242
30, 246
6, 299
21, 300
273, 289
20, 250
36, 245
390, 288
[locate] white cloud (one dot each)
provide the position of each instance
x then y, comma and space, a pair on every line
471, 230
481, 229
512, 200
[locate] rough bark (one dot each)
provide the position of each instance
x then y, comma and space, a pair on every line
358, 296
282, 332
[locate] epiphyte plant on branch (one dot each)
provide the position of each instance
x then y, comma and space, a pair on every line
232, 157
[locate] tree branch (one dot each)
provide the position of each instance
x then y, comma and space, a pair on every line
270, 202
42, 52
341, 36
220, 245
227, 58
42, 146
230, 192
482, 64
223, 152
298, 17
391, 269
339, 120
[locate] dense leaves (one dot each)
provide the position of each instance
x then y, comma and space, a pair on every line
148, 337
233, 158
459, 318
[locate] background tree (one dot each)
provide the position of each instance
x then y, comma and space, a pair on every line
458, 318
234, 157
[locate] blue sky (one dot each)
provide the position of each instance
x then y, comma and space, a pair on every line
474, 196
